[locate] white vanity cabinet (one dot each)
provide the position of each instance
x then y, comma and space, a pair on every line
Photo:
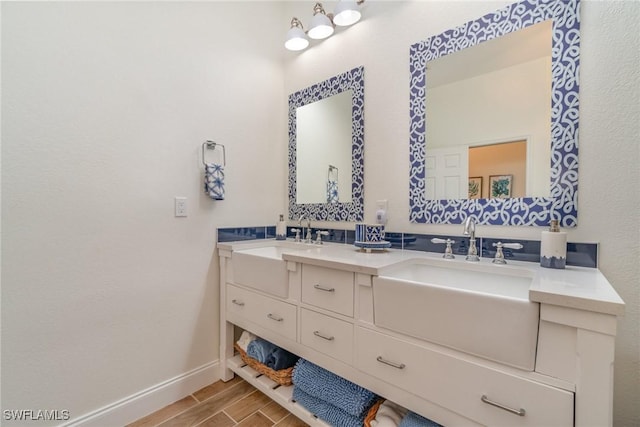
328, 317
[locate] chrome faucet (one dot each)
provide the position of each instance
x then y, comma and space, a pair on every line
300, 226
307, 238
470, 230
306, 232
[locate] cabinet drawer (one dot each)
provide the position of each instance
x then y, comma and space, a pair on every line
327, 288
327, 335
460, 385
272, 314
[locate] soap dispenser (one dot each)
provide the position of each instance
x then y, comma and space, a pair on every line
553, 247
281, 229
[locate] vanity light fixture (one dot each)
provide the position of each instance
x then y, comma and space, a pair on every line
296, 37
347, 13
322, 25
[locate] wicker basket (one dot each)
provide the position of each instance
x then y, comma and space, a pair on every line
371, 415
282, 377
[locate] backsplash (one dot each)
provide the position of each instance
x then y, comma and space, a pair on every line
578, 254
235, 234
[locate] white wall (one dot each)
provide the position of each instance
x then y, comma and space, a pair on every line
609, 202
105, 106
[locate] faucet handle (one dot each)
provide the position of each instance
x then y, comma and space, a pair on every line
437, 240
499, 258
511, 245
297, 231
448, 251
319, 235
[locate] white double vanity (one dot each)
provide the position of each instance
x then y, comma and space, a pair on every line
461, 343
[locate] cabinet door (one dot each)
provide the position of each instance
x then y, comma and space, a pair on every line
475, 391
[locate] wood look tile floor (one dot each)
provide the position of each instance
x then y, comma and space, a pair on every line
235, 403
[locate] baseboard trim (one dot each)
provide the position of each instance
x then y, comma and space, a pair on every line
140, 404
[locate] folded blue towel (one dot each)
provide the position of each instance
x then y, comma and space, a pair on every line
331, 388
414, 420
325, 411
281, 359
260, 350
214, 181
270, 354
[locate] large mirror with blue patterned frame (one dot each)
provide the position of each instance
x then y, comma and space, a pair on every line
560, 200
326, 145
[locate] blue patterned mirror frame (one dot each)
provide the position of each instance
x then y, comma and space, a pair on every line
353, 211
565, 60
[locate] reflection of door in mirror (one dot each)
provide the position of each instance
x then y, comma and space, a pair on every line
447, 173
323, 147
492, 92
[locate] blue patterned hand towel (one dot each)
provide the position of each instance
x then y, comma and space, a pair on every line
414, 420
214, 181
333, 389
332, 191
326, 412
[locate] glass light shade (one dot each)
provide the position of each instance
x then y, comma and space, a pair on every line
321, 27
346, 13
296, 39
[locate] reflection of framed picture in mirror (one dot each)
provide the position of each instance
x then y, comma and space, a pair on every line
500, 186
475, 187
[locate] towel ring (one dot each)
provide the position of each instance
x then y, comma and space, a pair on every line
210, 145
331, 167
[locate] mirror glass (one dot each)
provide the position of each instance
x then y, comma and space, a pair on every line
323, 150
463, 108
502, 105
326, 143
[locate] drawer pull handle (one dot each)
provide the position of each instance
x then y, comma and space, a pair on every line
276, 318
236, 302
520, 411
387, 362
324, 337
322, 288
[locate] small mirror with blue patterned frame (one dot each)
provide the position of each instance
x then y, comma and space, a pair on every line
352, 210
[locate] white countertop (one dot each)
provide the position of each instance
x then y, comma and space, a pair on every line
575, 287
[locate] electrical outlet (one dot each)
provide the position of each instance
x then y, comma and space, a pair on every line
180, 206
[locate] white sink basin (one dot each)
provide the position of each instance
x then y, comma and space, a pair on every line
482, 309
263, 268
274, 252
